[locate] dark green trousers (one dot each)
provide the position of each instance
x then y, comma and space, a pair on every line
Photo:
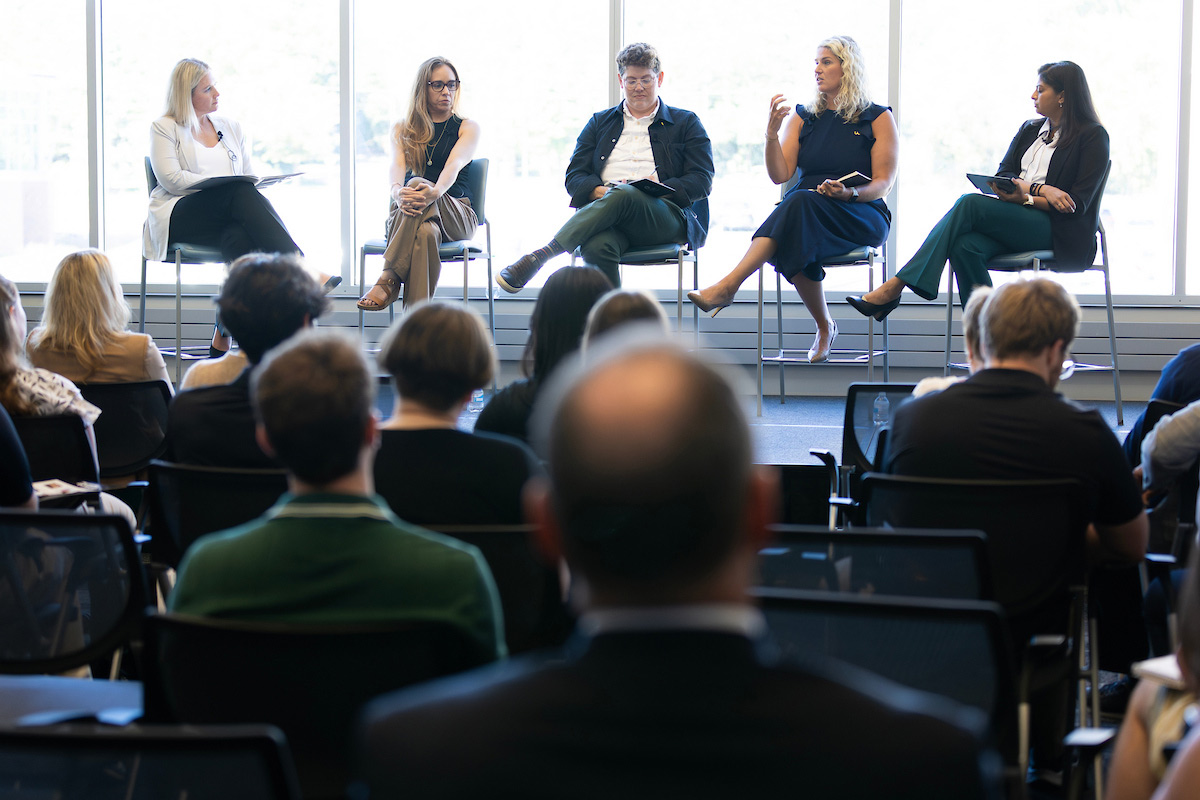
977, 229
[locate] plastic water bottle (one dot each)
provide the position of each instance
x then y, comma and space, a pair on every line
882, 410
477, 402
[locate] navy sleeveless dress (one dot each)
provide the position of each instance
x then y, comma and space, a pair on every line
807, 226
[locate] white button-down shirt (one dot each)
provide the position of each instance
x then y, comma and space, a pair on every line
632, 156
1036, 161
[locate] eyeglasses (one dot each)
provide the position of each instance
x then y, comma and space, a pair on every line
645, 83
438, 86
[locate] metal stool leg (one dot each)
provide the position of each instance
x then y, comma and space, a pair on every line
178, 315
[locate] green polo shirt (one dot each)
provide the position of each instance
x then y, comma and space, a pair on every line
329, 558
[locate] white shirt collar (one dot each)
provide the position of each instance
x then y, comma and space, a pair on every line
734, 618
649, 117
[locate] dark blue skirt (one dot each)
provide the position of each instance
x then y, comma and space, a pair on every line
808, 227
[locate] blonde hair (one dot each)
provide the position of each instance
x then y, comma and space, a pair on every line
12, 352
852, 97
971, 316
184, 79
414, 133
84, 309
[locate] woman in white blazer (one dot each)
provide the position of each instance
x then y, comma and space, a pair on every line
189, 144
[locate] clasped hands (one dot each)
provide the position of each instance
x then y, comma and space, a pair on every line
414, 199
1058, 200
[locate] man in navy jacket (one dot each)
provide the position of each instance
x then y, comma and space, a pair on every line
639, 138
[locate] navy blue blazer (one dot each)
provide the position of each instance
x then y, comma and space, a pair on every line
1078, 169
682, 156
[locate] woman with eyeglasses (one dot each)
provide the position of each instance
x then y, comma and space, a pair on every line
841, 132
1055, 168
190, 144
430, 198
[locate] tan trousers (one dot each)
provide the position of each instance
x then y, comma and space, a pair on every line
413, 242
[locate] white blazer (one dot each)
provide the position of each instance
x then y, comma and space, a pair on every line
173, 159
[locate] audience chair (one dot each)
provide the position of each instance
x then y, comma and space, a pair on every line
73, 590
184, 502
1044, 597
310, 680
664, 255
147, 762
132, 429
869, 409
466, 250
185, 253
58, 447
945, 564
956, 649
1038, 260
806, 492
535, 615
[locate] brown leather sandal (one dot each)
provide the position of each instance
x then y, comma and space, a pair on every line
390, 282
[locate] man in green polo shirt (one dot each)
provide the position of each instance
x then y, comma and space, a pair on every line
330, 550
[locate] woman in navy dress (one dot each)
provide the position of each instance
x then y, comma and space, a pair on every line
840, 132
1057, 163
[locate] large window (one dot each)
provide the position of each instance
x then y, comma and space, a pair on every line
277, 70
534, 70
964, 96
43, 147
727, 70
531, 79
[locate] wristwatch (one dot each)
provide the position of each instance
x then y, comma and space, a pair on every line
853, 194
1028, 200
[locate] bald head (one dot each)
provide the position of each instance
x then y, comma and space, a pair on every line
650, 462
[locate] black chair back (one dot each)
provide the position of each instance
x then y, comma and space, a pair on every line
805, 490
85, 762
908, 563
57, 447
869, 409
185, 502
132, 429
309, 680
1035, 533
71, 589
530, 593
953, 648
477, 174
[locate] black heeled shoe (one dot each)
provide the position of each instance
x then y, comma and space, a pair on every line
871, 309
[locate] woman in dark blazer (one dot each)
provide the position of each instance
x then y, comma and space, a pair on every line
1057, 164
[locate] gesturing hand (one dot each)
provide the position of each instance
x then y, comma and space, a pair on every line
779, 111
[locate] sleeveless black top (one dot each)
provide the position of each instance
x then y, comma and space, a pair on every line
445, 134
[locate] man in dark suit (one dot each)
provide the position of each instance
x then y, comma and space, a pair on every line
266, 298
667, 691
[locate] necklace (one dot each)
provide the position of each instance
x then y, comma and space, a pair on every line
429, 158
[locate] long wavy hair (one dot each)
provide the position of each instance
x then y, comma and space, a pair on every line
85, 309
415, 132
852, 98
12, 351
1067, 78
184, 79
